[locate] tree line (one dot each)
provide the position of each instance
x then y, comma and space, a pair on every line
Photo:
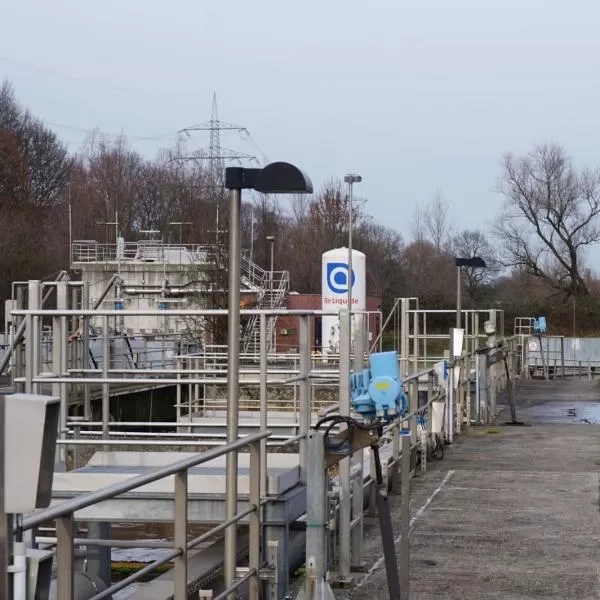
535, 251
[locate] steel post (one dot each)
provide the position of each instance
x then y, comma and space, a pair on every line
6, 523
304, 391
344, 464
180, 535
59, 340
233, 364
65, 557
356, 535
405, 520
263, 402
254, 532
85, 324
316, 586
34, 302
105, 386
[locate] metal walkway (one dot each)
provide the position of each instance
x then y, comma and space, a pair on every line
512, 512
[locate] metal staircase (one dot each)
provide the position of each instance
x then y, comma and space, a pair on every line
269, 294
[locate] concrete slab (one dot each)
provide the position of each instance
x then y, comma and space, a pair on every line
511, 513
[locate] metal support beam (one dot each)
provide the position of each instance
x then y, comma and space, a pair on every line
180, 535
6, 524
405, 521
316, 585
304, 391
263, 402
344, 465
358, 459
105, 386
233, 385
254, 532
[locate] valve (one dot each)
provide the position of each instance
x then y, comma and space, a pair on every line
377, 393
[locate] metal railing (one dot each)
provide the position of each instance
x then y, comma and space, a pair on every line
64, 512
92, 251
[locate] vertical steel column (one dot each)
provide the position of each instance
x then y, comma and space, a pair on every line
59, 342
263, 402
6, 521
356, 534
405, 521
65, 557
305, 412
416, 341
85, 304
254, 533
233, 384
180, 535
316, 586
105, 386
404, 336
344, 464
34, 333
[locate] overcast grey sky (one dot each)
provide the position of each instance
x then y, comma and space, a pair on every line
415, 96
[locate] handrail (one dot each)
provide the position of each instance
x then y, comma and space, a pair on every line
84, 501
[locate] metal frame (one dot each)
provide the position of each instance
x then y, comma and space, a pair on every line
63, 514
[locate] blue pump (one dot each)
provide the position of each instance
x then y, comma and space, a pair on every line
539, 325
377, 392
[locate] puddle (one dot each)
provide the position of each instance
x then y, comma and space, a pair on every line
564, 412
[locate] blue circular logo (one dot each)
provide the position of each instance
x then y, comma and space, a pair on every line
337, 277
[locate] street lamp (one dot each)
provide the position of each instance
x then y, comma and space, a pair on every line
275, 178
475, 262
350, 179
271, 240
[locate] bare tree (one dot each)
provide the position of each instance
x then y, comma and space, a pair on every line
431, 223
470, 243
437, 222
550, 217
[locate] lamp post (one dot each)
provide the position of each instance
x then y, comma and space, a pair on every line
275, 178
350, 179
475, 262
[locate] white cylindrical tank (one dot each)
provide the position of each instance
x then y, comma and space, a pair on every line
334, 292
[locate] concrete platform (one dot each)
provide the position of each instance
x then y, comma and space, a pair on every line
511, 513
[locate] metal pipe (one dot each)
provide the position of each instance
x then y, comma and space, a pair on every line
213, 312
233, 361
122, 487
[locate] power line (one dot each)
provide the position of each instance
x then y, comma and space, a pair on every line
100, 85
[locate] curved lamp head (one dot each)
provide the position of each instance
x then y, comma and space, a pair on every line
275, 178
475, 262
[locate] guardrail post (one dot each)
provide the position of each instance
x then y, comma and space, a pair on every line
356, 534
254, 538
105, 386
344, 464
304, 389
263, 402
65, 557
405, 520
395, 474
181, 527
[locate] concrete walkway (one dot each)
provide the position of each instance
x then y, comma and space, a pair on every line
511, 512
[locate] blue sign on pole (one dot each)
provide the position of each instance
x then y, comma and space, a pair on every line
337, 277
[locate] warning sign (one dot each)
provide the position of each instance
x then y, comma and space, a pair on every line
532, 346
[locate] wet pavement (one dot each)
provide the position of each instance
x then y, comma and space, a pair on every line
511, 512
